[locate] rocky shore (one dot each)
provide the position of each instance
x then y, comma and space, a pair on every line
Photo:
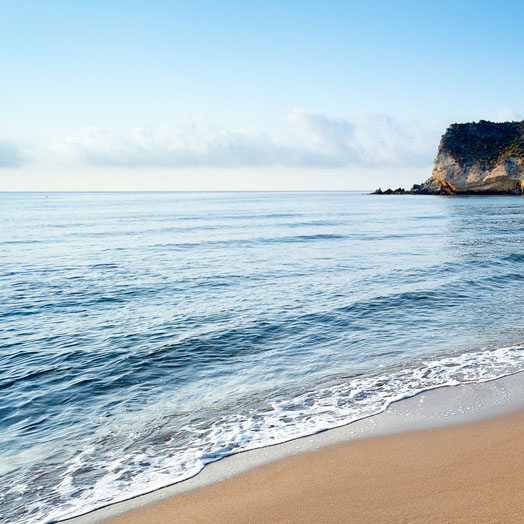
475, 158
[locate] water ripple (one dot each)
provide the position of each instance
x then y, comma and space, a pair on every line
144, 335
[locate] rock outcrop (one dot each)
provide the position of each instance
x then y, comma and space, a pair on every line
478, 158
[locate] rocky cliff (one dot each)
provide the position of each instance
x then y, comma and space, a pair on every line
474, 158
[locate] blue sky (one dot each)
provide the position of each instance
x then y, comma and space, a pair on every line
246, 95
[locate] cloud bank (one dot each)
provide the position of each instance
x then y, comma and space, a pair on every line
308, 140
11, 154
304, 140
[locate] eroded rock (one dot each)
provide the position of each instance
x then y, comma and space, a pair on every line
478, 158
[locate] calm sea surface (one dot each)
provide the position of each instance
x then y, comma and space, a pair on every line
143, 335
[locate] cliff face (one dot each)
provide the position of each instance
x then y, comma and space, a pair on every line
482, 157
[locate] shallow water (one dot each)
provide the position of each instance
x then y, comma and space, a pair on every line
146, 334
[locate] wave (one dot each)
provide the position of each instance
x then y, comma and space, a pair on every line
278, 421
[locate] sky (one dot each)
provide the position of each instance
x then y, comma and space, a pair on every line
226, 95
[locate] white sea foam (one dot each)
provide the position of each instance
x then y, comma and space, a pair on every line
286, 419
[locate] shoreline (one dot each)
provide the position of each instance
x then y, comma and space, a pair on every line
441, 407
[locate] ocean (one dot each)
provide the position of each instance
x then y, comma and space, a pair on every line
144, 335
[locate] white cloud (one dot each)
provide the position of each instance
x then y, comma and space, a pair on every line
11, 154
506, 115
189, 146
372, 141
306, 140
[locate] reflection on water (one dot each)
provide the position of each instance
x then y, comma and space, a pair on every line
145, 334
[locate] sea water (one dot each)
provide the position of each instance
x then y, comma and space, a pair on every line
144, 335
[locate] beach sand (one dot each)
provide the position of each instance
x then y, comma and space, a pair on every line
468, 473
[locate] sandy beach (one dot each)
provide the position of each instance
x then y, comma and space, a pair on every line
465, 473
471, 473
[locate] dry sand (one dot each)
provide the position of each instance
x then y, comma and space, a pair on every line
470, 473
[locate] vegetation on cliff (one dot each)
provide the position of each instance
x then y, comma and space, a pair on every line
484, 143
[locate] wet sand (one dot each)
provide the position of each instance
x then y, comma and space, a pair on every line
468, 473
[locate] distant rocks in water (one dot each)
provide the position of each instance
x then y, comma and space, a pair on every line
398, 191
476, 158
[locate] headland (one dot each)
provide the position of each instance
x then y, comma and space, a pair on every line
478, 158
